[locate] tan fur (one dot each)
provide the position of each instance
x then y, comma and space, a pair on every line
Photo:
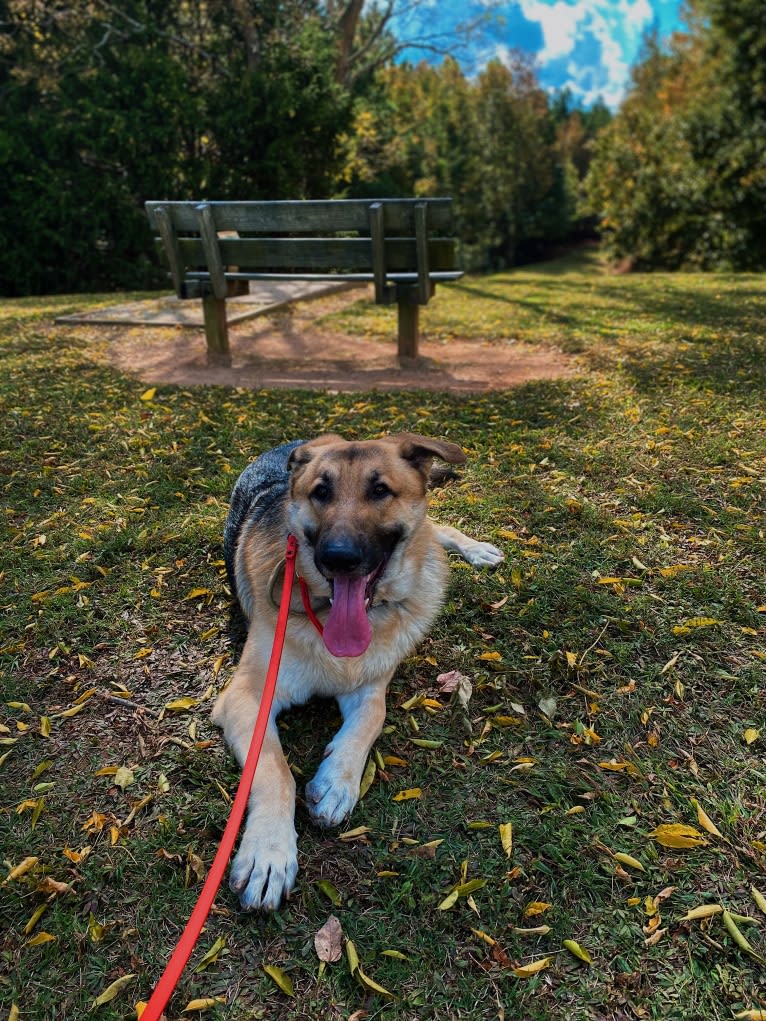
407, 598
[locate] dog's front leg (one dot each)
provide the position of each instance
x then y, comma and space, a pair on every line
476, 552
334, 791
266, 864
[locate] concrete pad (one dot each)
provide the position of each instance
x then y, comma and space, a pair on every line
264, 296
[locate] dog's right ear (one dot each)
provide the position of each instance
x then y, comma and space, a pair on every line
305, 451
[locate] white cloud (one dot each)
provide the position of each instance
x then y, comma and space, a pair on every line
618, 28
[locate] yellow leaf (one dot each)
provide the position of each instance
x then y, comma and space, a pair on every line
627, 859
695, 624
143, 653
751, 734
40, 939
148, 395
705, 821
203, 1004
179, 704
112, 990
533, 968
21, 869
754, 1014
45, 726
759, 899
123, 777
537, 930
35, 918
575, 810
197, 592
484, 936
212, 955
408, 795
703, 911
739, 938
491, 657
72, 711
678, 835
536, 907
367, 778
397, 954
449, 901
13, 1014
372, 986
580, 952
355, 834
23, 706
280, 978
506, 837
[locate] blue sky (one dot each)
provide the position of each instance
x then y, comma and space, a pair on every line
587, 45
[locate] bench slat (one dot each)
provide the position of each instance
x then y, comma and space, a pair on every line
317, 254
308, 216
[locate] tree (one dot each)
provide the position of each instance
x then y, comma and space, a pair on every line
679, 176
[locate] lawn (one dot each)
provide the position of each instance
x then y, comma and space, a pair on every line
615, 729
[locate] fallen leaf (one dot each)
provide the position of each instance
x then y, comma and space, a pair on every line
112, 990
203, 1004
579, 952
533, 968
332, 894
627, 859
759, 899
751, 735
148, 395
705, 821
179, 704
506, 837
123, 777
702, 911
536, 907
328, 941
212, 955
40, 939
678, 835
280, 978
411, 794
21, 869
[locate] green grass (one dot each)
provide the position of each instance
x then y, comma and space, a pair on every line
647, 466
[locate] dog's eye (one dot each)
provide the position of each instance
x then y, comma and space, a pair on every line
321, 492
379, 491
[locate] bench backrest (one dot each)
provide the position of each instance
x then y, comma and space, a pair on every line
395, 243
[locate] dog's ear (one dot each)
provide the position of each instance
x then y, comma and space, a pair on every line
420, 451
304, 453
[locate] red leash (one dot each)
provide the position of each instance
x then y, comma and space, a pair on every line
175, 966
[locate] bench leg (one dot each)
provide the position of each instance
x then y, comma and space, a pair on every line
407, 323
216, 331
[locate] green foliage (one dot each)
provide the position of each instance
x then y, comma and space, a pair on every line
679, 177
102, 108
490, 142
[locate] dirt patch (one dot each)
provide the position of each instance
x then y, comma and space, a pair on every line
290, 350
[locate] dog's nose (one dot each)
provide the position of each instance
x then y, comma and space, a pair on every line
340, 555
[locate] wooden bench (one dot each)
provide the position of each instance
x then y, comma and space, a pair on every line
399, 245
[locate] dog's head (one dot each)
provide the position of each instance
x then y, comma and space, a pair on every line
355, 504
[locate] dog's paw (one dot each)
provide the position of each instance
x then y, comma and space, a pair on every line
332, 794
483, 554
264, 869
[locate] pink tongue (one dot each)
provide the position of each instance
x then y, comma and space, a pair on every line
347, 630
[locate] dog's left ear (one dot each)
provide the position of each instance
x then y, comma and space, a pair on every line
421, 450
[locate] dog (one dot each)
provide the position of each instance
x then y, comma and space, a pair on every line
373, 563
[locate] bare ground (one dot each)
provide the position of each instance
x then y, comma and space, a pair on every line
291, 350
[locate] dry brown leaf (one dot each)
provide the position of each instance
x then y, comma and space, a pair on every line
328, 941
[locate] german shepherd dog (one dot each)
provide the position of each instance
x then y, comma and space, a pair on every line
374, 566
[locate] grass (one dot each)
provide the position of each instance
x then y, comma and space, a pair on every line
617, 662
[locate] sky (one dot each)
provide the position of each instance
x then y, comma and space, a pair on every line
585, 45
